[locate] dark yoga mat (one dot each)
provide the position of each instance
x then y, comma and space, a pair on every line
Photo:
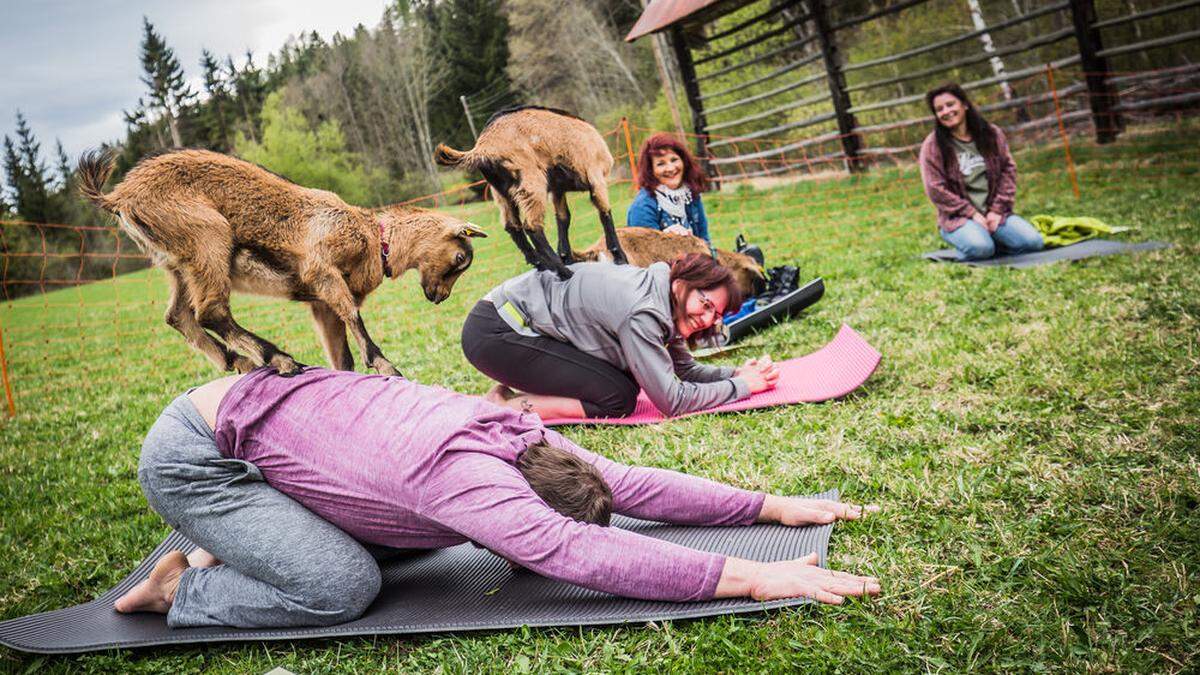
454, 589
1084, 249
779, 310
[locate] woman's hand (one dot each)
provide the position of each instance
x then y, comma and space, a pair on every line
791, 579
795, 511
679, 230
760, 374
993, 221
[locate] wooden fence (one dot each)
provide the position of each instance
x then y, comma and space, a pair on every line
728, 53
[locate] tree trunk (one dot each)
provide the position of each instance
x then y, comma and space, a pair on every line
989, 47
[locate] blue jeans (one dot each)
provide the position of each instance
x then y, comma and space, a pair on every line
974, 242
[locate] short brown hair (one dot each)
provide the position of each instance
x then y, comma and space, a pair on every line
566, 483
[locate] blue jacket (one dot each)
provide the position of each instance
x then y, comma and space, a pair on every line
644, 212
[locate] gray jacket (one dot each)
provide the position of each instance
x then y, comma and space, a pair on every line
621, 314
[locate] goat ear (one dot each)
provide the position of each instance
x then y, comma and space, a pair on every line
471, 230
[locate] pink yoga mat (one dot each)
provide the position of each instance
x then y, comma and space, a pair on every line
832, 371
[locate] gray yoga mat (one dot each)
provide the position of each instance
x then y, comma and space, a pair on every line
1084, 249
455, 589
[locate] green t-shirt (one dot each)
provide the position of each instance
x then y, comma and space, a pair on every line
974, 173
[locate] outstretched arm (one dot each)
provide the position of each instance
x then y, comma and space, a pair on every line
489, 502
674, 497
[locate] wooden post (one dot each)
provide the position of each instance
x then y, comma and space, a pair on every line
1101, 96
467, 112
851, 143
664, 74
691, 87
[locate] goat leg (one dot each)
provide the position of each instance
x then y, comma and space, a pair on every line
333, 336
552, 261
219, 319
372, 354
562, 217
610, 239
330, 288
182, 318
522, 242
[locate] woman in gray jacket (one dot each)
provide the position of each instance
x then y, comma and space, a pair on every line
584, 346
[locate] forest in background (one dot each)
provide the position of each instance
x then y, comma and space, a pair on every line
359, 114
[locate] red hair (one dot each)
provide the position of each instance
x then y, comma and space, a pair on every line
700, 271
693, 175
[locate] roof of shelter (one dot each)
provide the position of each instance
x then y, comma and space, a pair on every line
662, 13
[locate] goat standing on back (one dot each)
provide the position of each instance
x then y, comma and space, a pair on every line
529, 152
216, 224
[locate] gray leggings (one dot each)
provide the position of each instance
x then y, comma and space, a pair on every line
282, 564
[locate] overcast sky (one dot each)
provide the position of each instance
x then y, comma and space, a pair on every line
72, 66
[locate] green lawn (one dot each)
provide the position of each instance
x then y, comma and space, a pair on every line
1032, 436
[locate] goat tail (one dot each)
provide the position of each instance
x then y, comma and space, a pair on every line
448, 156
95, 166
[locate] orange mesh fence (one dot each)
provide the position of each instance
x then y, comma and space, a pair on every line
79, 309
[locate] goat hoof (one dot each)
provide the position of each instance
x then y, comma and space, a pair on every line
564, 273
285, 365
619, 258
388, 369
241, 364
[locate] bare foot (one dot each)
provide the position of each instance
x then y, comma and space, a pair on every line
156, 593
202, 558
499, 395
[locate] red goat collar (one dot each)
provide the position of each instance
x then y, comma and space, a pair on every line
383, 247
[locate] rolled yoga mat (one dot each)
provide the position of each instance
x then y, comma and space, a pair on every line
1084, 249
831, 372
454, 589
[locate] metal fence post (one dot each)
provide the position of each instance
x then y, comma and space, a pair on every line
633, 177
12, 407
1062, 129
851, 143
1101, 95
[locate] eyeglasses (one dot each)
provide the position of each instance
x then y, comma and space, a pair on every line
708, 304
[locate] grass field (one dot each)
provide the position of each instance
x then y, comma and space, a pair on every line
1031, 435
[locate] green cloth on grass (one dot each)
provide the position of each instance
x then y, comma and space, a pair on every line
1064, 230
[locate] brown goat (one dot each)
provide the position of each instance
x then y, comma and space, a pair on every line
645, 246
217, 224
529, 152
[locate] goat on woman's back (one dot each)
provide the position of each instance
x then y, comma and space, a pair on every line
528, 153
216, 224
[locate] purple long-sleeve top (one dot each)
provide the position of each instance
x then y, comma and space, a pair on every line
400, 464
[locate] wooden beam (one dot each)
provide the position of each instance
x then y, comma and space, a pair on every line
837, 85
1101, 95
691, 87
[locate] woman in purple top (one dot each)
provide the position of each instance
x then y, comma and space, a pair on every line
971, 179
284, 481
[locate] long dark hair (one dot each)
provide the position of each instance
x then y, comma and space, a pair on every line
981, 131
693, 175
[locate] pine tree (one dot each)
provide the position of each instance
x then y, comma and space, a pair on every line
471, 40
213, 113
168, 92
65, 173
26, 174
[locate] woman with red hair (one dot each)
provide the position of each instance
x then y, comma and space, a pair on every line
671, 181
